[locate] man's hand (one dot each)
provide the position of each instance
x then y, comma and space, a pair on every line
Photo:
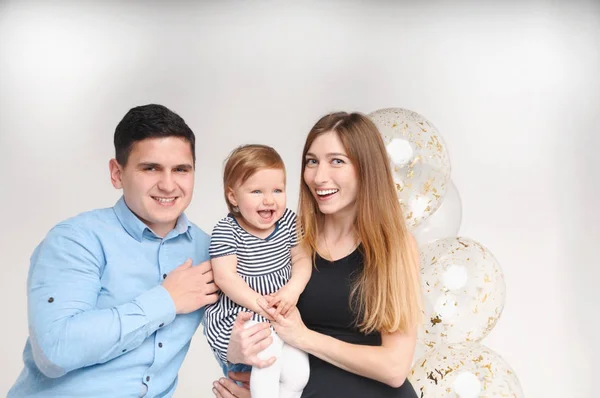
226, 388
245, 344
190, 287
284, 299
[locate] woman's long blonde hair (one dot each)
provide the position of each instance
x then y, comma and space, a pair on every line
387, 295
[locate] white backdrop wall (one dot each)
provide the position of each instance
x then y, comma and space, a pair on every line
512, 86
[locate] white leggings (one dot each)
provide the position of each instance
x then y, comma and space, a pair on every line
286, 377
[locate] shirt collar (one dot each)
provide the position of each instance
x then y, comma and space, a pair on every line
135, 227
183, 226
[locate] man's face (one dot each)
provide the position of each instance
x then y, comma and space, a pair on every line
157, 181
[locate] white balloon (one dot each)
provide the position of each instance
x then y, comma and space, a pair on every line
467, 385
420, 351
463, 291
418, 158
446, 220
465, 370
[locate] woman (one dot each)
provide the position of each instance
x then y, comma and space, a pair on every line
358, 314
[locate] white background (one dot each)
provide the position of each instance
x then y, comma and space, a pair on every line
512, 86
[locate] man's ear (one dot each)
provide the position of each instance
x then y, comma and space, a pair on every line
116, 172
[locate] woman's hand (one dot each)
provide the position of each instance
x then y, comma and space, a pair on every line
227, 388
290, 329
245, 344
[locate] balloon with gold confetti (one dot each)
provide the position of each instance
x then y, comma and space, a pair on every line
463, 291
465, 370
419, 161
420, 350
446, 220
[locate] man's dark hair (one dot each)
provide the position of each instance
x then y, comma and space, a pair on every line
149, 121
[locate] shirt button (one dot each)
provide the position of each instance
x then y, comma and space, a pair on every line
125, 349
160, 345
161, 325
164, 276
147, 378
51, 300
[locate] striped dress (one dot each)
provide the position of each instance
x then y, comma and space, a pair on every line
265, 265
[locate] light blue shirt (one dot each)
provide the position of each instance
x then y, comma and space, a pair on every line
100, 323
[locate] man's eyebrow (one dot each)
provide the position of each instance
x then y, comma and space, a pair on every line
143, 165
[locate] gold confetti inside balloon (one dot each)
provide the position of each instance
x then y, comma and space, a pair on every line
463, 291
465, 370
419, 161
446, 220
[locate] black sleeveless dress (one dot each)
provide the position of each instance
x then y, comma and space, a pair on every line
324, 306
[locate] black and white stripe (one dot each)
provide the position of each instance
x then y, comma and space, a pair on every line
265, 265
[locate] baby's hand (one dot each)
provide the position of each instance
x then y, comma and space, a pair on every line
284, 299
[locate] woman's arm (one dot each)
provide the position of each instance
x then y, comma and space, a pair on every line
388, 363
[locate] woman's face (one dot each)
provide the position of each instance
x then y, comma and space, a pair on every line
330, 176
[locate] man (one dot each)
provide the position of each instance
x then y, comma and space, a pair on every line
113, 296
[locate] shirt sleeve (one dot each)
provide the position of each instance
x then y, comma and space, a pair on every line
67, 330
223, 241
